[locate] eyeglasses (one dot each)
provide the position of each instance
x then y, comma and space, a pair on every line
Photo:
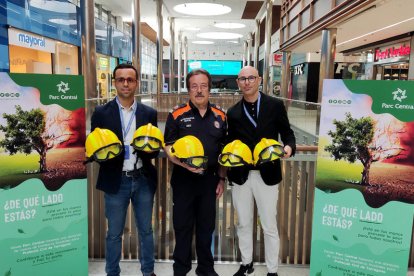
202, 87
141, 143
249, 78
233, 159
122, 80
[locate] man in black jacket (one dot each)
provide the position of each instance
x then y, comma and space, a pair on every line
129, 177
254, 117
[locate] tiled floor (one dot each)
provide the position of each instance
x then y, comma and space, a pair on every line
130, 268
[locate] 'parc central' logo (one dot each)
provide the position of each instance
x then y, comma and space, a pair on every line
9, 95
63, 89
399, 96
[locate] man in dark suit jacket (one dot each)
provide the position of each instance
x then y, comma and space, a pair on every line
254, 117
130, 176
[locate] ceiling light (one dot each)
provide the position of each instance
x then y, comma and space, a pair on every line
202, 9
233, 41
63, 21
229, 25
202, 42
219, 35
55, 6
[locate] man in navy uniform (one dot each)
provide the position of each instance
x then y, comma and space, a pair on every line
195, 189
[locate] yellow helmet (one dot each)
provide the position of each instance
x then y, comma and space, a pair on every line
235, 154
102, 144
190, 151
148, 138
267, 150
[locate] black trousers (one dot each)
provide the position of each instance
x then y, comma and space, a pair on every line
194, 199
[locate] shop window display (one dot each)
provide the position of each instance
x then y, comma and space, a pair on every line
396, 72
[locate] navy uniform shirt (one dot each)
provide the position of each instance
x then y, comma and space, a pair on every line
210, 130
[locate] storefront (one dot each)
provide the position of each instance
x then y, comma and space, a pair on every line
391, 62
350, 70
305, 81
112, 48
32, 53
104, 68
276, 73
305, 76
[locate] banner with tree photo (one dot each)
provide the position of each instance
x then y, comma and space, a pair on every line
364, 197
43, 188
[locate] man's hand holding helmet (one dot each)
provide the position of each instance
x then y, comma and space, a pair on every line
188, 152
288, 151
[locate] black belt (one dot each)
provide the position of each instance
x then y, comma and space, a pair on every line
132, 173
128, 173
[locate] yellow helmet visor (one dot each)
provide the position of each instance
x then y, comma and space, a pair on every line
231, 160
146, 143
198, 162
270, 153
107, 152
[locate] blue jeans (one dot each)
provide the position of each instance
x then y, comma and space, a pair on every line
140, 191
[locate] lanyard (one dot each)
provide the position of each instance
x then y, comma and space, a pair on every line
126, 130
248, 114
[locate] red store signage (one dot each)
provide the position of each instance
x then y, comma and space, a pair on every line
277, 59
392, 52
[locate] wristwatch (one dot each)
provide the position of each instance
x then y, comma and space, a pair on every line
222, 178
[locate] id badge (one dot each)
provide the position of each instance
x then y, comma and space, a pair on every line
126, 151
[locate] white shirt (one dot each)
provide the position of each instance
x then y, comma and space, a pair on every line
126, 113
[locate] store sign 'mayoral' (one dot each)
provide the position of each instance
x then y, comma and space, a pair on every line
31, 41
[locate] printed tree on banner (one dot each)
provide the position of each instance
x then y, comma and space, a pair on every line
26, 131
364, 140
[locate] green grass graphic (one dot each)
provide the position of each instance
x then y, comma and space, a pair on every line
18, 163
338, 175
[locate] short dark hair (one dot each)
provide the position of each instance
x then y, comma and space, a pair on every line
198, 72
125, 66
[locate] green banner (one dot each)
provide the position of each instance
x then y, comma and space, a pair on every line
43, 187
364, 198
64, 90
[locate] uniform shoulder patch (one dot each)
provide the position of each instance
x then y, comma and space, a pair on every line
218, 111
177, 107
217, 106
180, 109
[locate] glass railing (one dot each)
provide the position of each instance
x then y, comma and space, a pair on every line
303, 116
304, 119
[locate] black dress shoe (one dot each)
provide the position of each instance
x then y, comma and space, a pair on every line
211, 273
